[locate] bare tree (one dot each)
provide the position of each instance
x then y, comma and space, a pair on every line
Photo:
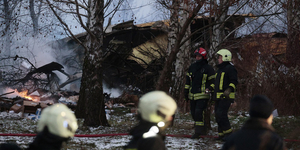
183, 59
218, 17
218, 12
35, 15
8, 8
8, 19
293, 20
218, 30
166, 74
16, 17
91, 101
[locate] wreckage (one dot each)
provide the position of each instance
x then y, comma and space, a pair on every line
134, 54
30, 97
40, 79
133, 57
39, 88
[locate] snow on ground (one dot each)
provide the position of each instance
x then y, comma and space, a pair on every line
121, 123
13, 123
117, 142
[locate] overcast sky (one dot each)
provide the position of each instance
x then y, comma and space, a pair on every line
140, 11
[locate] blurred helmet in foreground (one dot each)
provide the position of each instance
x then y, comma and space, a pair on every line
59, 119
156, 106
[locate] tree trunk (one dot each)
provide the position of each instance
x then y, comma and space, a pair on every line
7, 30
172, 35
181, 65
293, 17
218, 34
34, 16
91, 101
166, 74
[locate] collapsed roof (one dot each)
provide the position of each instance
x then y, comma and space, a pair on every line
134, 54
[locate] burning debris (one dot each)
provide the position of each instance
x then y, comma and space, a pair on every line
46, 69
29, 104
24, 76
32, 88
44, 78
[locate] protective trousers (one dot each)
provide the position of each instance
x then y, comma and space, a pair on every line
221, 114
197, 111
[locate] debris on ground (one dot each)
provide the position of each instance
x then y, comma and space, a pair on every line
29, 104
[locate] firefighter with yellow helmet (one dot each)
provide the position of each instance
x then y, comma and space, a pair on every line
224, 92
155, 110
57, 125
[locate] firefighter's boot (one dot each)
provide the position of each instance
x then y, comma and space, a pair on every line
220, 137
226, 136
199, 130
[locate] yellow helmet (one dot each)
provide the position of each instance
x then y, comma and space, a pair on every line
226, 54
156, 106
59, 119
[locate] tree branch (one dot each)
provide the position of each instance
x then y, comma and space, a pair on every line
65, 25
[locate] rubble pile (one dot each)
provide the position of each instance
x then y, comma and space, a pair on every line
30, 104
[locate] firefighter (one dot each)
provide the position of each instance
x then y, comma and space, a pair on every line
9, 146
155, 110
56, 126
199, 77
224, 92
257, 132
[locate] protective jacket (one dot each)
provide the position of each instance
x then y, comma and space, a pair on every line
47, 141
199, 77
226, 77
256, 134
143, 139
9, 146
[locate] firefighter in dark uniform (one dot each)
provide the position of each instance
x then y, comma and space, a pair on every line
199, 77
257, 132
57, 125
155, 113
224, 92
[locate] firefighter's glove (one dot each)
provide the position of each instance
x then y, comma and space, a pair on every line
226, 93
207, 91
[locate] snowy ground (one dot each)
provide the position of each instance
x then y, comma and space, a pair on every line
120, 141
14, 123
120, 122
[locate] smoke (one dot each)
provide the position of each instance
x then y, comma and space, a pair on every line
114, 92
41, 51
8, 90
37, 50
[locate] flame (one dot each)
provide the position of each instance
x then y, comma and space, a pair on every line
24, 95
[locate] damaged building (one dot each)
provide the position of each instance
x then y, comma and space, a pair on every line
134, 54
133, 57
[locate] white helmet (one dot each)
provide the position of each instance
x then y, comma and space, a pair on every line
156, 106
226, 54
59, 119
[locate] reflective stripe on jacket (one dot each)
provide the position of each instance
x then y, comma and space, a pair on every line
199, 77
226, 77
